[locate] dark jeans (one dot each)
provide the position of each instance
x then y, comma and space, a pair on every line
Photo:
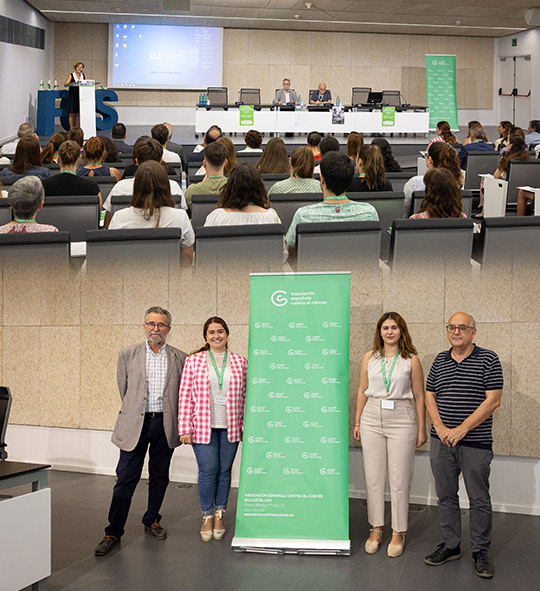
215, 460
129, 470
446, 464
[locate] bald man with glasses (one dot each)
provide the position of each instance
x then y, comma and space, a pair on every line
463, 388
148, 378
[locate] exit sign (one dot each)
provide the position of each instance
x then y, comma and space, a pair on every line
514, 42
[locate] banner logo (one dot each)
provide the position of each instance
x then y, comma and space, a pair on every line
278, 298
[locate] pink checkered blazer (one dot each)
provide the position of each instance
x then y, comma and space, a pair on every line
194, 398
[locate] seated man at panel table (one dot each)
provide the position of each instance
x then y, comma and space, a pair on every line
67, 182
477, 144
322, 96
160, 133
337, 172
24, 129
215, 160
145, 149
118, 135
285, 95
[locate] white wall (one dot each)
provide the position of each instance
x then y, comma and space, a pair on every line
22, 68
515, 482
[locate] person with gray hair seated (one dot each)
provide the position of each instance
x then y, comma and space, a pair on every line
477, 144
26, 198
24, 129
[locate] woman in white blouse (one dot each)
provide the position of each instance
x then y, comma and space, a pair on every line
76, 77
391, 388
152, 206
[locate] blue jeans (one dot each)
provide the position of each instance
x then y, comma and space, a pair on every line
215, 460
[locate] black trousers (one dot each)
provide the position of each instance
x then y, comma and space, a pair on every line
129, 470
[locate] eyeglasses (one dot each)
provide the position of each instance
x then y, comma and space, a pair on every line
457, 327
158, 325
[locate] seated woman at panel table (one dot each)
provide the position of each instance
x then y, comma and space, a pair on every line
371, 173
301, 179
27, 161
444, 134
26, 198
443, 196
390, 163
95, 154
152, 206
49, 154
274, 159
439, 155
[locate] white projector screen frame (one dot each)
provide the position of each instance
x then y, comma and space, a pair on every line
140, 77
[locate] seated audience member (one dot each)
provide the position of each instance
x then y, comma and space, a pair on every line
314, 144
337, 173
354, 142
371, 174
26, 198
533, 137
301, 171
253, 141
152, 206
390, 163
321, 96
24, 130
439, 155
94, 156
504, 127
243, 200
112, 149
212, 134
274, 159
176, 148
27, 161
131, 169
215, 158
444, 134
118, 135
443, 196
49, 153
76, 134
470, 126
145, 149
328, 144
161, 134
231, 156
477, 144
67, 182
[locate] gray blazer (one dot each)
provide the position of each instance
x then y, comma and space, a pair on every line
131, 377
280, 96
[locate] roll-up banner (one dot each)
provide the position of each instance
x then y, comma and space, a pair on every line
294, 475
441, 90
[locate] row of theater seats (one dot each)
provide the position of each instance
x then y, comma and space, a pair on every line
322, 246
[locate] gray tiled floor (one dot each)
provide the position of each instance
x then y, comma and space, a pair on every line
183, 561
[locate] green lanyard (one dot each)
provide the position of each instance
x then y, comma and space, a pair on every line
21, 221
220, 374
388, 379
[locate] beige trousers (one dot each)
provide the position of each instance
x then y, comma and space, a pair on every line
388, 444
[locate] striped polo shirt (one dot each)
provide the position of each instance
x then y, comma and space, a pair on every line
460, 388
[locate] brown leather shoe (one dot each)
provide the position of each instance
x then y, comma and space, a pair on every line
106, 545
156, 531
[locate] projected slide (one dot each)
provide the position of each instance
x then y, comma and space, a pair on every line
164, 57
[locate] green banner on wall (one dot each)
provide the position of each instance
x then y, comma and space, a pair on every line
246, 114
441, 90
294, 484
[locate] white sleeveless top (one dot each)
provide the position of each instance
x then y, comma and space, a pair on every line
400, 384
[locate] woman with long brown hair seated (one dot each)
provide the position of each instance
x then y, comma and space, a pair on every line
274, 159
49, 154
27, 161
443, 196
94, 155
301, 171
444, 134
371, 173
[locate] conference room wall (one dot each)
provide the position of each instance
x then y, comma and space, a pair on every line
22, 68
261, 59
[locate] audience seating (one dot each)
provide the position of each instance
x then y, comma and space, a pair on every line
201, 206
495, 191
5, 212
431, 241
360, 95
337, 245
398, 179
45, 246
123, 201
254, 246
248, 157
250, 96
286, 204
521, 173
466, 198
106, 183
480, 163
271, 179
75, 214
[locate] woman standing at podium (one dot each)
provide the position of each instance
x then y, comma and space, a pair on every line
73, 99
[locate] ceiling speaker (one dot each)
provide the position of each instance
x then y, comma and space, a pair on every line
532, 17
175, 4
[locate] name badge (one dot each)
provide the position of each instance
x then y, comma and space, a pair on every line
388, 404
222, 400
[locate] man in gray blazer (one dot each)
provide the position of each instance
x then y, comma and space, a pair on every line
149, 381
286, 94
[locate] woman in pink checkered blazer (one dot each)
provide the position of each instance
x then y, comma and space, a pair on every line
211, 418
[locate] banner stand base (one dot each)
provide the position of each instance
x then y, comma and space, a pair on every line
277, 546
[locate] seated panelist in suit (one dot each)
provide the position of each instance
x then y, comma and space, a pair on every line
286, 94
148, 377
321, 96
